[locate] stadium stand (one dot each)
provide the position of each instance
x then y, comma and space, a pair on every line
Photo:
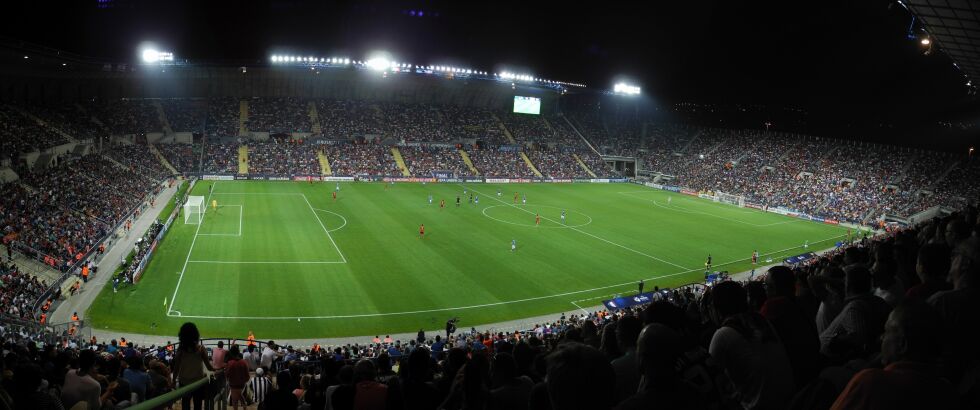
185, 115
422, 161
222, 118
21, 134
278, 115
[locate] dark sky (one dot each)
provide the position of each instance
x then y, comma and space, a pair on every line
838, 55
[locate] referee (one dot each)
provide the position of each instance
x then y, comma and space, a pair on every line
641, 288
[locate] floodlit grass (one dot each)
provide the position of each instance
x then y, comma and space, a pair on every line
275, 252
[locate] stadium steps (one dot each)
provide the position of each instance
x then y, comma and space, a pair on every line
162, 159
531, 165
44, 124
324, 163
687, 145
243, 159
582, 164
113, 161
547, 124
950, 168
510, 137
468, 162
32, 266
242, 117
400, 161
162, 116
576, 131
314, 119
902, 173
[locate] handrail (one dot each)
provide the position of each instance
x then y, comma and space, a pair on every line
170, 397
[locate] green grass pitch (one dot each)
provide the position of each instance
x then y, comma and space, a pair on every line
275, 252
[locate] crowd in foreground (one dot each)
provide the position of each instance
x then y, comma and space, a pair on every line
887, 322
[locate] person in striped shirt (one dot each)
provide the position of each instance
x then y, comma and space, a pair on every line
259, 386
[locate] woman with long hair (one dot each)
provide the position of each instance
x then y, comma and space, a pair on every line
191, 364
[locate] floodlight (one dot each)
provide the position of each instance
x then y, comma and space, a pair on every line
925, 41
378, 64
623, 88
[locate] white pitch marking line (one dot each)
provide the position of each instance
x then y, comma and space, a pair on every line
258, 193
241, 211
331, 212
586, 233
485, 304
315, 215
580, 308
267, 262
193, 241
676, 209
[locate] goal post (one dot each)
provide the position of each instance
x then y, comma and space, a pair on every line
730, 199
194, 210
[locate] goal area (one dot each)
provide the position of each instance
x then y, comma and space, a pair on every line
730, 199
194, 210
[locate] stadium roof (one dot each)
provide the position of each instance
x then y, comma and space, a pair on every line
954, 26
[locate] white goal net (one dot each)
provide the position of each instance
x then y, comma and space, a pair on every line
194, 210
731, 199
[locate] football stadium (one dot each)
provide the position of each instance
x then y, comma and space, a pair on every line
401, 205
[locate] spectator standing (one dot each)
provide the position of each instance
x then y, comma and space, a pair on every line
749, 351
191, 364
236, 372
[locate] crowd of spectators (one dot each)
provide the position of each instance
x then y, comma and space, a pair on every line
139, 160
807, 174
472, 123
493, 163
183, 157
221, 157
40, 221
881, 322
556, 164
21, 134
185, 115
125, 116
19, 291
278, 115
69, 118
223, 117
422, 161
348, 119
283, 157
361, 159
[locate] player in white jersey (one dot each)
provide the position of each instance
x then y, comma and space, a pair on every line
563, 216
513, 245
524, 199
430, 199
668, 199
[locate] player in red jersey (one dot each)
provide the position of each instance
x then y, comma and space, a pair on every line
537, 219
422, 231
515, 197
334, 195
755, 257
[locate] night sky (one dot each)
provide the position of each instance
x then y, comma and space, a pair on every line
841, 56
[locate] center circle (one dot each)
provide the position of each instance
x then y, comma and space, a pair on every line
531, 224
